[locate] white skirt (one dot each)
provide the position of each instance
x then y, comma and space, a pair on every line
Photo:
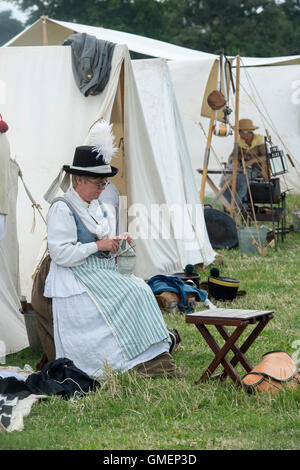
82, 335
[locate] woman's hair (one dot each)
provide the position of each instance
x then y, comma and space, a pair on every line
74, 181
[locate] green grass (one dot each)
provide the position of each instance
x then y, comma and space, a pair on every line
132, 413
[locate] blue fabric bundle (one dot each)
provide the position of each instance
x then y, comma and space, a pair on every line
161, 283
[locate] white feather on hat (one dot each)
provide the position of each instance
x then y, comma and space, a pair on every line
102, 139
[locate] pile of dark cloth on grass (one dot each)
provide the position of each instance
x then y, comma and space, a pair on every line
59, 377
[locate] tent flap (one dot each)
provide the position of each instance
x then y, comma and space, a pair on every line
13, 335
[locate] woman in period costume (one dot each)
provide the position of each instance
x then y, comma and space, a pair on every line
101, 317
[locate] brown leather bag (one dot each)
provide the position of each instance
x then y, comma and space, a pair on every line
169, 300
216, 100
276, 371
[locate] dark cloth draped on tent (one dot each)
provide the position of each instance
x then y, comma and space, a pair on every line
91, 62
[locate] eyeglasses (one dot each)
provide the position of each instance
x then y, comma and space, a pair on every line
100, 185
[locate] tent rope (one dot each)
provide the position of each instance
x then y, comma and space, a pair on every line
35, 205
239, 212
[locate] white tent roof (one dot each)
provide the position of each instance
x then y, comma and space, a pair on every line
45, 127
57, 31
193, 67
270, 78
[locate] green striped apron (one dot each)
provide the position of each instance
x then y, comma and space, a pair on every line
127, 304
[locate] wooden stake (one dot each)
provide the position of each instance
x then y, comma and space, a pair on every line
206, 156
236, 137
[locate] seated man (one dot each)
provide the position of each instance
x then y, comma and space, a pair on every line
101, 317
252, 150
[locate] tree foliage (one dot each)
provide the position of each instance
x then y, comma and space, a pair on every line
9, 26
248, 27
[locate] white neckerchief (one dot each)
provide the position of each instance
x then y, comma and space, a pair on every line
90, 214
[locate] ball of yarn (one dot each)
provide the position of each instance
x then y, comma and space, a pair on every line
214, 272
189, 268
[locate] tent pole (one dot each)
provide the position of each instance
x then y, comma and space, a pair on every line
44, 19
122, 78
206, 155
236, 136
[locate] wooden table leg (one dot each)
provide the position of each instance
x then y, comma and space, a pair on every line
220, 353
246, 345
262, 323
239, 356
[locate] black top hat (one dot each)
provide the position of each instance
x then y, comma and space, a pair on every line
88, 162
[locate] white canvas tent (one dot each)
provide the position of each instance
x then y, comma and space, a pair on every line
189, 71
12, 327
164, 122
48, 117
274, 80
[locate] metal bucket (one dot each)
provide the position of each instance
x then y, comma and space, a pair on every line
296, 221
246, 235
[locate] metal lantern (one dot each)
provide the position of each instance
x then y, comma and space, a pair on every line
278, 162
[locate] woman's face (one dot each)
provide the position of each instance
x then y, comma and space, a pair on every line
90, 189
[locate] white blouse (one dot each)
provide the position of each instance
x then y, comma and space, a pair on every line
63, 247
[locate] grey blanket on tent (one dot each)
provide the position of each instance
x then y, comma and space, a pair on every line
91, 62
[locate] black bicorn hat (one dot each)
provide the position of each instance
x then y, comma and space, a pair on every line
89, 160
86, 162
94, 159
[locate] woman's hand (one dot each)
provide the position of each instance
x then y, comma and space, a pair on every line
125, 236
108, 244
